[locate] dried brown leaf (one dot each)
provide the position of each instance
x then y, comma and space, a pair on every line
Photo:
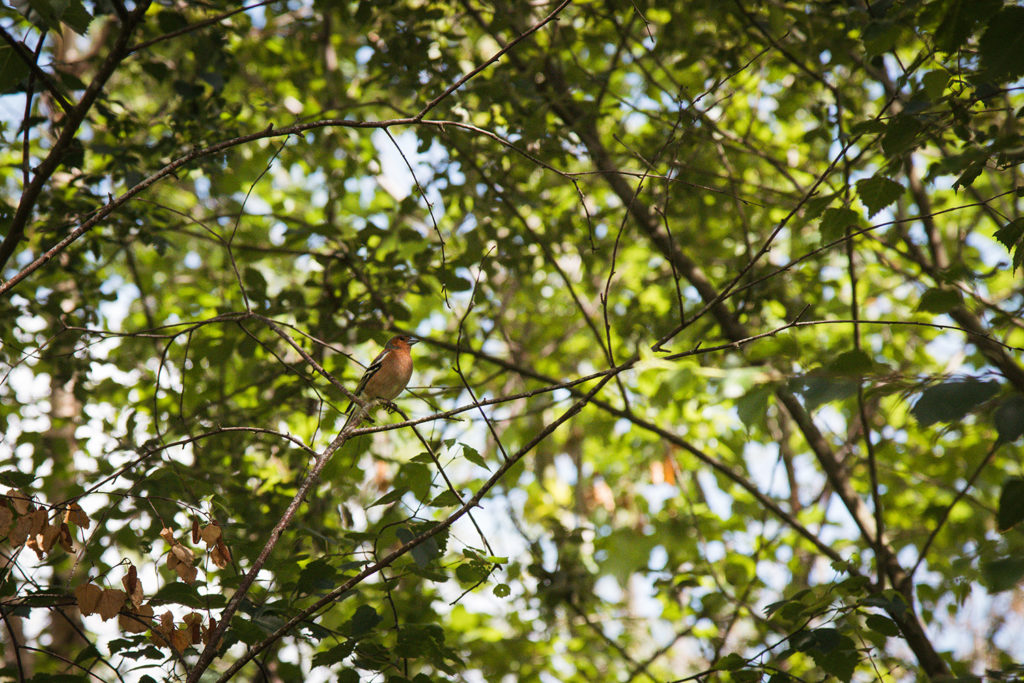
220, 555
166, 622
161, 634
138, 621
111, 603
208, 629
210, 534
184, 554
33, 544
88, 597
19, 534
194, 623
6, 517
48, 537
167, 534
65, 539
180, 640
76, 515
37, 520
172, 561
186, 573
133, 586
19, 501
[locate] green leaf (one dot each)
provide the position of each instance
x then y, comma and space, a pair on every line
472, 572
853, 363
970, 174
831, 650
247, 631
730, 662
880, 36
1002, 574
416, 478
839, 662
472, 455
1009, 419
1011, 236
878, 192
959, 21
938, 300
362, 622
178, 593
424, 553
502, 590
1011, 504
835, 221
818, 389
389, 497
934, 83
445, 499
13, 69
1002, 44
334, 655
255, 283
900, 134
753, 406
19, 480
952, 400
870, 126
881, 624
316, 576
70, 12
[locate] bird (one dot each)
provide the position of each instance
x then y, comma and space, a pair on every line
386, 377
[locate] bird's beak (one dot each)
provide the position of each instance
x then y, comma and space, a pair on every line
413, 340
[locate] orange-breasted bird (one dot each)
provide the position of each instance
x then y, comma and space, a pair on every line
387, 376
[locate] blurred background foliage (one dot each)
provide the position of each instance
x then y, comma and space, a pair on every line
789, 233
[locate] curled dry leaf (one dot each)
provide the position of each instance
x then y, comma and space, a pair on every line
33, 544
133, 586
47, 537
211, 534
165, 635
19, 501
76, 515
186, 573
167, 534
138, 621
220, 554
208, 629
88, 597
65, 539
184, 554
111, 603
180, 560
194, 623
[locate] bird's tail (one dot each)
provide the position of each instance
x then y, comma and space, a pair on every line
355, 411
352, 411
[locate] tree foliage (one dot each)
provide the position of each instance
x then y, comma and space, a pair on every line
721, 370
